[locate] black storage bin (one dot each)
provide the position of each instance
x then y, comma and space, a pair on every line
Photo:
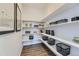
52, 32
31, 37
62, 21
75, 18
63, 49
51, 41
48, 32
27, 32
45, 38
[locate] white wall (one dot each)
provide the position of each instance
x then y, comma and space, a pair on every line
68, 31
11, 44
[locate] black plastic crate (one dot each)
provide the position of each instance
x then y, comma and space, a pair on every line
45, 38
62, 21
31, 37
51, 41
75, 18
47, 31
52, 32
63, 49
27, 32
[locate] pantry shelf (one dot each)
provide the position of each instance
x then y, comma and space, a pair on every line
62, 40
52, 48
71, 22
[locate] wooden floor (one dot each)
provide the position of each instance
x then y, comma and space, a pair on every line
36, 50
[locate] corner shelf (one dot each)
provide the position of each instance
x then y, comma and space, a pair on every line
62, 40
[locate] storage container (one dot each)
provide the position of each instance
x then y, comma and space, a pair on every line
63, 49
45, 38
51, 41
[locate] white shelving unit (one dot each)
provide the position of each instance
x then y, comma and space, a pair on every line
60, 10
25, 43
26, 40
30, 26
71, 22
62, 40
70, 28
52, 48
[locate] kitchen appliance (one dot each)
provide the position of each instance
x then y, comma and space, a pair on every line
63, 49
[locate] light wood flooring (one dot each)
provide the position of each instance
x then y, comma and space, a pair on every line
36, 50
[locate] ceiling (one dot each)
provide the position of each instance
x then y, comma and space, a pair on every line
37, 11
37, 5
